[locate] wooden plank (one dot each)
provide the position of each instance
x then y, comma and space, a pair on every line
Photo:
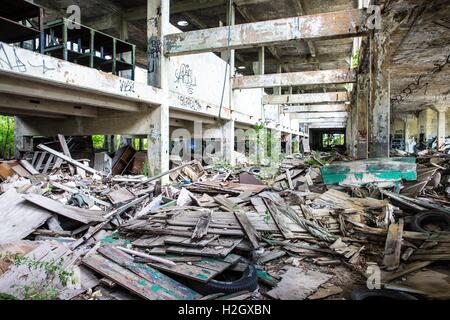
280, 220
203, 270
249, 229
74, 213
201, 228
165, 286
40, 161
303, 78
18, 218
392, 249
120, 195
349, 23
297, 284
28, 167
68, 159
289, 179
47, 164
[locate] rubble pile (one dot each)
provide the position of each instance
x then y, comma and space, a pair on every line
323, 227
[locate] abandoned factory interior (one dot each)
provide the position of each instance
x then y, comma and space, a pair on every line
224, 150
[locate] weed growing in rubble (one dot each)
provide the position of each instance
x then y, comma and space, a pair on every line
37, 291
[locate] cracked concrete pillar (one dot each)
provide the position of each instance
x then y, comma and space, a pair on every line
380, 98
441, 119
158, 13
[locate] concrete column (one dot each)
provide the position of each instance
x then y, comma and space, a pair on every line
198, 140
22, 143
380, 99
158, 13
296, 144
230, 20
276, 145
289, 144
227, 129
441, 119
362, 101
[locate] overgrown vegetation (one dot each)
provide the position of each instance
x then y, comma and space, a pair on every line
355, 60
98, 141
38, 291
6, 137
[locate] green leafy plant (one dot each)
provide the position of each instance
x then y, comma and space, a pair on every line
53, 269
6, 137
355, 59
98, 141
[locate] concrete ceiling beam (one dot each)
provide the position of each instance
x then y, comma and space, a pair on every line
337, 76
316, 108
34, 106
350, 23
326, 116
307, 98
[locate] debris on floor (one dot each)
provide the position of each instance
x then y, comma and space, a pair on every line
320, 227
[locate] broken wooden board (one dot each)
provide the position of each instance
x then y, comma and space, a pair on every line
248, 228
201, 228
119, 196
18, 218
151, 284
325, 291
433, 284
219, 251
392, 250
358, 173
74, 213
297, 284
202, 271
279, 218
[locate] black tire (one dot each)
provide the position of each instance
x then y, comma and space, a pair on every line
247, 282
380, 294
440, 219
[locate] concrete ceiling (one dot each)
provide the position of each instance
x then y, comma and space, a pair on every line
421, 42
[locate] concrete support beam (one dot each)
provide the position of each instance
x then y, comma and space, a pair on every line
323, 121
158, 14
362, 117
34, 107
320, 26
227, 129
198, 140
441, 121
307, 98
319, 115
330, 125
300, 11
276, 144
316, 108
338, 76
289, 144
382, 52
